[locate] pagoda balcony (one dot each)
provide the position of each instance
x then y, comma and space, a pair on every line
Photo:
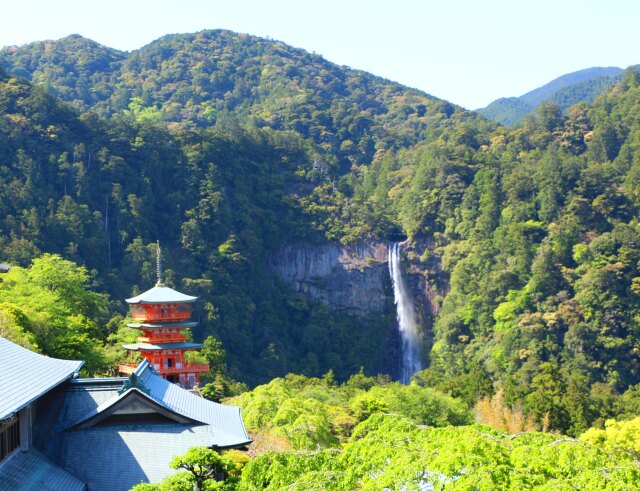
127, 369
186, 367
158, 339
161, 312
160, 316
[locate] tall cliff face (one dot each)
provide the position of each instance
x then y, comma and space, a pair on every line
428, 281
353, 279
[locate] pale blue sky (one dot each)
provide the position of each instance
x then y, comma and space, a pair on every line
469, 52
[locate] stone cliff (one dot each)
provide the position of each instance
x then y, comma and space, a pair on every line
428, 283
353, 279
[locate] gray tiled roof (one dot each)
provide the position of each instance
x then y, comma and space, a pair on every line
161, 294
174, 397
32, 471
114, 458
226, 421
83, 397
110, 456
38, 374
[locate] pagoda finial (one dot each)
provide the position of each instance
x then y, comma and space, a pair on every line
159, 265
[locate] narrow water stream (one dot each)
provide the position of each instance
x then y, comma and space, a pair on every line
407, 324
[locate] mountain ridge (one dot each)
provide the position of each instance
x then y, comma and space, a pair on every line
540, 94
193, 79
565, 91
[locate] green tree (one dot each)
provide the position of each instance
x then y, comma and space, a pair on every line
204, 465
215, 354
62, 314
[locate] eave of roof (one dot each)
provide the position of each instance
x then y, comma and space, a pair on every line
161, 294
146, 325
161, 346
105, 410
25, 376
32, 470
227, 419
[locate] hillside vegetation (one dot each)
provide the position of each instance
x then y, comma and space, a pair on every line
100, 192
370, 434
226, 147
193, 80
389, 452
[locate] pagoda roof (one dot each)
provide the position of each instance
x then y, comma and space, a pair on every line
147, 325
25, 376
161, 346
161, 294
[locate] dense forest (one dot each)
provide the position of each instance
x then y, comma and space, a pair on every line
227, 147
370, 434
221, 194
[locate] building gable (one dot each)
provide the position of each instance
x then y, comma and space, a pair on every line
131, 406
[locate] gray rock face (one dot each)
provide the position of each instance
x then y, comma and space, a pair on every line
354, 279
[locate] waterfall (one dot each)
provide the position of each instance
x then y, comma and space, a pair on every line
407, 325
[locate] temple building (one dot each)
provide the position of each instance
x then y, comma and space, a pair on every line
163, 316
59, 432
26, 379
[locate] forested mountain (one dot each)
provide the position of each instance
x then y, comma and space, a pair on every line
192, 80
565, 91
100, 193
74, 69
533, 297
227, 148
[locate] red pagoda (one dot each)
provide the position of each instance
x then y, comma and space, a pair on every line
163, 315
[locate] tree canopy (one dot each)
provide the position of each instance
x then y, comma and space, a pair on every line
523, 242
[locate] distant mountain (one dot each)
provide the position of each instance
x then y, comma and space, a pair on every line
506, 110
566, 91
547, 91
